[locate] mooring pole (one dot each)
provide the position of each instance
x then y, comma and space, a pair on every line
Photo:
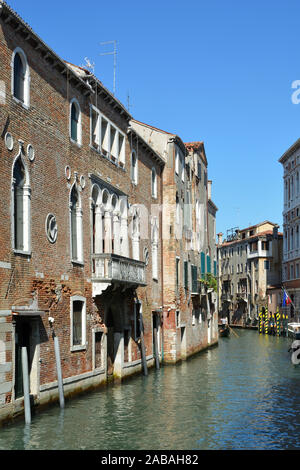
155, 344
26, 385
143, 351
59, 373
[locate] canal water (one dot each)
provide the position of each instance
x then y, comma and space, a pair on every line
242, 394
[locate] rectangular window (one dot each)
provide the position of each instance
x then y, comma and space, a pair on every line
297, 271
199, 170
78, 322
264, 245
292, 271
177, 273
267, 264
186, 275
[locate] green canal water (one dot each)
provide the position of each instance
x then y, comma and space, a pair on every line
243, 394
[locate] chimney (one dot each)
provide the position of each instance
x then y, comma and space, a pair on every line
220, 235
275, 232
209, 182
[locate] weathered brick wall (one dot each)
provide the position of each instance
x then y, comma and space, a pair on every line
48, 276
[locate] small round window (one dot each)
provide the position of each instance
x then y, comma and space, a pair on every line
9, 141
30, 152
51, 228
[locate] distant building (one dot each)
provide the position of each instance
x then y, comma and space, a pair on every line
290, 161
249, 263
189, 253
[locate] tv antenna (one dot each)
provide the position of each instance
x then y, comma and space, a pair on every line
114, 52
89, 65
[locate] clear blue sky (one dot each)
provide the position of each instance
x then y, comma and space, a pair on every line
214, 70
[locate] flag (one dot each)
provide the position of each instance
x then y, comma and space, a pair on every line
286, 299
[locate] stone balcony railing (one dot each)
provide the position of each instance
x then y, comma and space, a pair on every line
109, 268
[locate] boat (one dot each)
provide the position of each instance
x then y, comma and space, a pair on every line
294, 330
224, 330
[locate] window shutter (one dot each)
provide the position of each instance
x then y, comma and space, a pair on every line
208, 264
202, 264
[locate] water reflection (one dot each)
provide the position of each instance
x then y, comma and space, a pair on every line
243, 394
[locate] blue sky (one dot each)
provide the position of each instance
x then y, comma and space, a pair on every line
218, 71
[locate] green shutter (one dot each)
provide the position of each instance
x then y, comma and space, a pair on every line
208, 264
215, 268
194, 279
202, 264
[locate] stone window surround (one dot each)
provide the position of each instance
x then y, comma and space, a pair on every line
82, 346
26, 102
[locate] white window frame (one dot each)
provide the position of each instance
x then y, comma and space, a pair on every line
134, 169
26, 102
118, 155
26, 209
82, 346
79, 128
79, 232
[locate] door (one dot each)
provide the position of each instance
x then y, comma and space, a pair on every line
22, 338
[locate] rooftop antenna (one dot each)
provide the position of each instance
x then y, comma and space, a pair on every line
128, 101
114, 52
89, 65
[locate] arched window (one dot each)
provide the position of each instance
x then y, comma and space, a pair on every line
76, 226
75, 121
154, 183
20, 77
134, 167
21, 207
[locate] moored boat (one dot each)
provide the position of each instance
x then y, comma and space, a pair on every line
224, 330
294, 330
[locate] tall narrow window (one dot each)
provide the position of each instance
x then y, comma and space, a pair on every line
76, 226
78, 322
20, 76
19, 180
75, 132
154, 183
21, 207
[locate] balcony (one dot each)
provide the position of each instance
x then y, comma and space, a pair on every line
242, 296
109, 268
226, 297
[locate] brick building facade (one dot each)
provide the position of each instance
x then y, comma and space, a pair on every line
83, 256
